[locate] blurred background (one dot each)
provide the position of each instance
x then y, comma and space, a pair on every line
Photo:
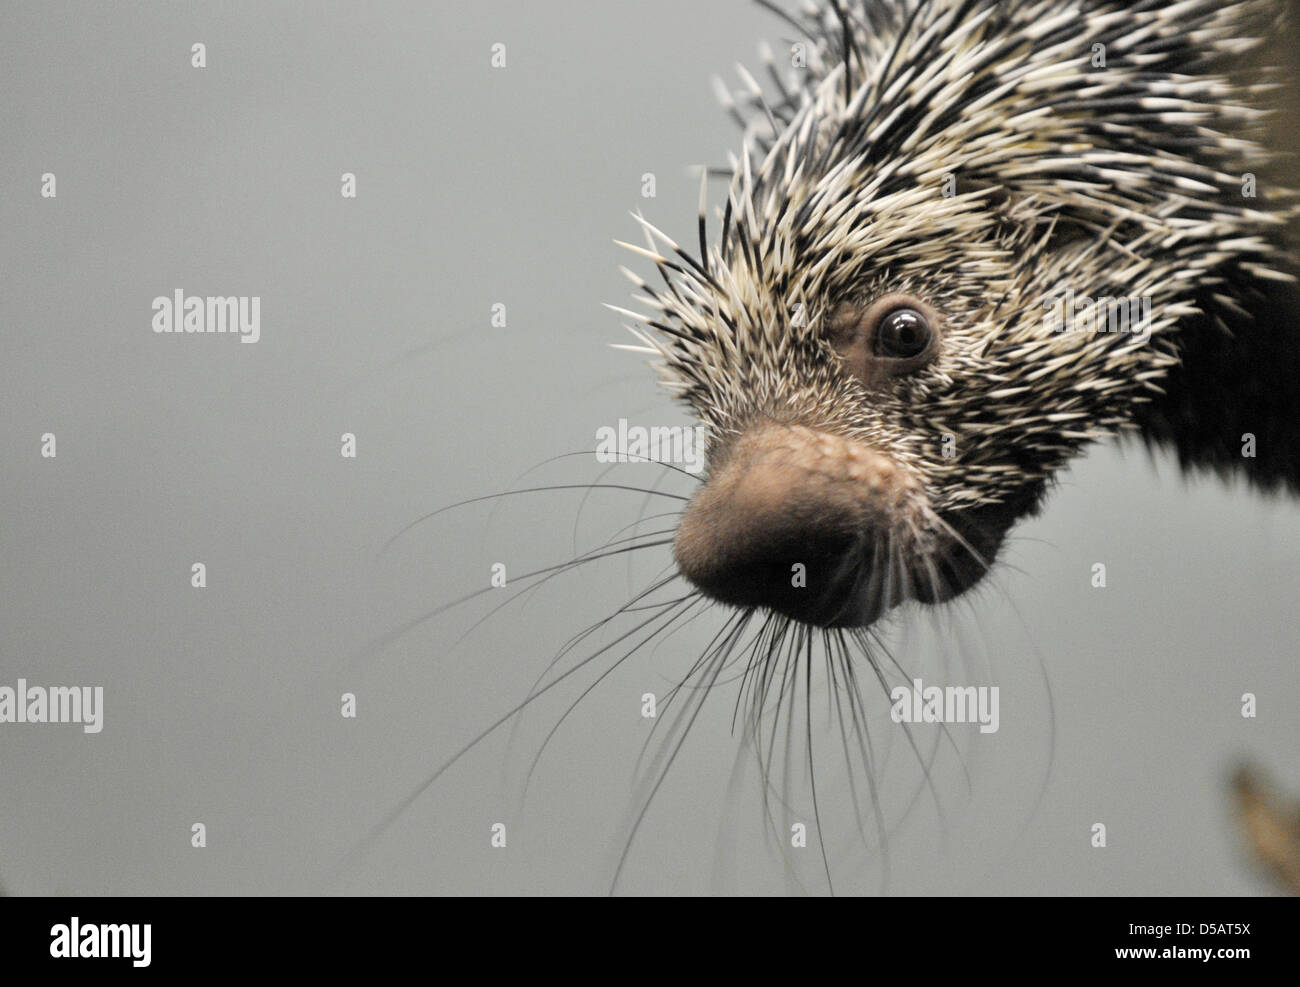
476, 187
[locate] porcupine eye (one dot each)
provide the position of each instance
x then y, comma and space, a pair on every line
901, 334
890, 337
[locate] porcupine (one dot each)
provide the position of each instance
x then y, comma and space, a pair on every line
854, 316
870, 342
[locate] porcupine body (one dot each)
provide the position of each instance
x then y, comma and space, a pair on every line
891, 344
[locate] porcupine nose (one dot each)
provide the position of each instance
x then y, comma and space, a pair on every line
791, 519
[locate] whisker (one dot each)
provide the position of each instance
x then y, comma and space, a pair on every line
387, 821
516, 493
722, 653
659, 582
861, 727
737, 618
674, 610
812, 770
524, 593
384, 640
928, 782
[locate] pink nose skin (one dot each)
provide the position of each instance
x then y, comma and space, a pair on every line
789, 496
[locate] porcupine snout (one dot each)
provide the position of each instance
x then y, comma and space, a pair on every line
799, 521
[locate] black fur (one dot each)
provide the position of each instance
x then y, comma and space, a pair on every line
1237, 378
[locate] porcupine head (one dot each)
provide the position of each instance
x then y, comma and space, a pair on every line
964, 242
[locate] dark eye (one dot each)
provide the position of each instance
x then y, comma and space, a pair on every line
901, 334
895, 335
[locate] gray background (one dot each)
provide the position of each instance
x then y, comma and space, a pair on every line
479, 186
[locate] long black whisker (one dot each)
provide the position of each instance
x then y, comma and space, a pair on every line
719, 661
907, 731
862, 730
675, 610
658, 583
734, 619
524, 593
384, 640
382, 826
812, 770
515, 493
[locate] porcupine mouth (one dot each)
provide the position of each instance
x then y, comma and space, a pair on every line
865, 577
830, 533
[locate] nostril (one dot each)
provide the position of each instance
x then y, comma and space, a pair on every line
789, 521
